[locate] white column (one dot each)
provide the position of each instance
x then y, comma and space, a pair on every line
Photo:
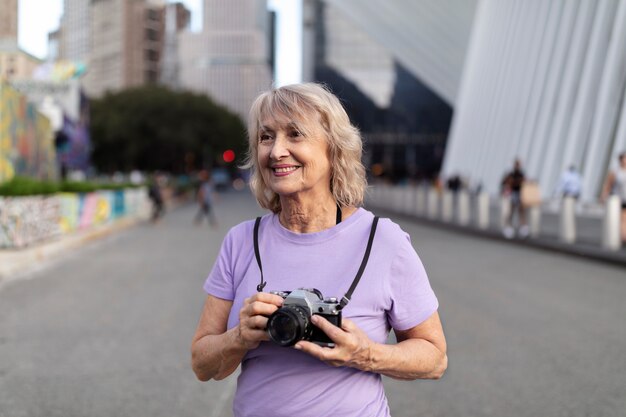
482, 210
433, 202
611, 224
611, 88
446, 206
567, 224
421, 197
578, 134
534, 214
505, 210
463, 207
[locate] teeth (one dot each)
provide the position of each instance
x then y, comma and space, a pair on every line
287, 169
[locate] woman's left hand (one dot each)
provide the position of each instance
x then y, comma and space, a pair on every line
352, 346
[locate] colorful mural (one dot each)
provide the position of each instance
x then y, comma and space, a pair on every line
26, 139
27, 220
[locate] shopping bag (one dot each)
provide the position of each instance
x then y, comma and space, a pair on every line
531, 194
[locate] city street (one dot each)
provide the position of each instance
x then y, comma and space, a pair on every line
105, 331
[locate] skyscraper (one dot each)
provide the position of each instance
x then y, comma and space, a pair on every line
126, 43
229, 59
8, 21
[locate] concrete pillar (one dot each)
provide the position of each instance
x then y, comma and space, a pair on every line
420, 200
398, 196
611, 224
447, 206
534, 220
433, 203
505, 210
482, 211
463, 208
567, 224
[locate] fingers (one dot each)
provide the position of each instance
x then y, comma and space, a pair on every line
261, 304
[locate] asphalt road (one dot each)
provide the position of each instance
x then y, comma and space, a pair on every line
105, 331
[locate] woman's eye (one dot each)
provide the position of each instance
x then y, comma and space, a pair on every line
295, 134
264, 137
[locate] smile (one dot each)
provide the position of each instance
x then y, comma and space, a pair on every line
284, 170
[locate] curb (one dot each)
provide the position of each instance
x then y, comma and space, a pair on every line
580, 250
18, 262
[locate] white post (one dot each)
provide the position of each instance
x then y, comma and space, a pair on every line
611, 224
409, 199
505, 210
433, 204
421, 196
463, 208
567, 229
446, 206
482, 210
535, 220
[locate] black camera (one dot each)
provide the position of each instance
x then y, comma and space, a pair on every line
292, 322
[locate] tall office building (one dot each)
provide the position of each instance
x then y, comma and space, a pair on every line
75, 37
8, 20
126, 46
229, 59
176, 18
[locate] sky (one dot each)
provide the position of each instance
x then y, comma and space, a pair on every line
38, 17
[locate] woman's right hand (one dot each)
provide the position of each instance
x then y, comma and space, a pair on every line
253, 318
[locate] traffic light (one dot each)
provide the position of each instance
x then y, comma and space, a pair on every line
228, 156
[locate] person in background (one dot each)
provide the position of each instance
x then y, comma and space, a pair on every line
512, 187
615, 183
206, 199
156, 197
305, 159
570, 183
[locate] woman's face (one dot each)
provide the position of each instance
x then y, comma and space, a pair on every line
291, 162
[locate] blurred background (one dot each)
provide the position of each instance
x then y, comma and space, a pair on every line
113, 113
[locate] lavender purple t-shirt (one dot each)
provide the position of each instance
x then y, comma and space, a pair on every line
393, 292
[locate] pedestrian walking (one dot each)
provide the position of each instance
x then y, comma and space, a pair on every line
512, 188
570, 183
156, 198
206, 199
305, 350
615, 183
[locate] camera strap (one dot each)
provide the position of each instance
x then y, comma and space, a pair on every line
346, 298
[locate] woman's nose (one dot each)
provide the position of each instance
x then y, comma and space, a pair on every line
279, 148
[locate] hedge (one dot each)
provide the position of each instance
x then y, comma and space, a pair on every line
23, 186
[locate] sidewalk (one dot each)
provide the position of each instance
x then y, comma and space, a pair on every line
587, 245
17, 262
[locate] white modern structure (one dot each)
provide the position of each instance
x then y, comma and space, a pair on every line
543, 81
539, 80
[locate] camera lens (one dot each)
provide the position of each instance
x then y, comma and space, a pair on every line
288, 325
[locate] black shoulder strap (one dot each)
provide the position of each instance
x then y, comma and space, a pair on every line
366, 256
259, 287
346, 298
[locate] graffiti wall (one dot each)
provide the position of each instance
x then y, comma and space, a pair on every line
26, 139
27, 220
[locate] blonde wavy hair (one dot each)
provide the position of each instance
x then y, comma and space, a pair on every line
304, 104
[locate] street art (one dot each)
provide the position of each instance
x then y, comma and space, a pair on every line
27, 220
26, 140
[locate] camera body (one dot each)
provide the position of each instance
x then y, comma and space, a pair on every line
292, 322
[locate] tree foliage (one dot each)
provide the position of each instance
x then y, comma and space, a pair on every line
154, 128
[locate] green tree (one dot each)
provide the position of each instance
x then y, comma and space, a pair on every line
154, 128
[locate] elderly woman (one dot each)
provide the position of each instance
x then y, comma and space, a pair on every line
305, 158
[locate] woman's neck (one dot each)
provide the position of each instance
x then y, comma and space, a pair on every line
310, 216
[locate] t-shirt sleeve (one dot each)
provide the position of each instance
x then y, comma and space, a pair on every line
413, 299
220, 280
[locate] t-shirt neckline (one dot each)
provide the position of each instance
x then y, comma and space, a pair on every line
315, 237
